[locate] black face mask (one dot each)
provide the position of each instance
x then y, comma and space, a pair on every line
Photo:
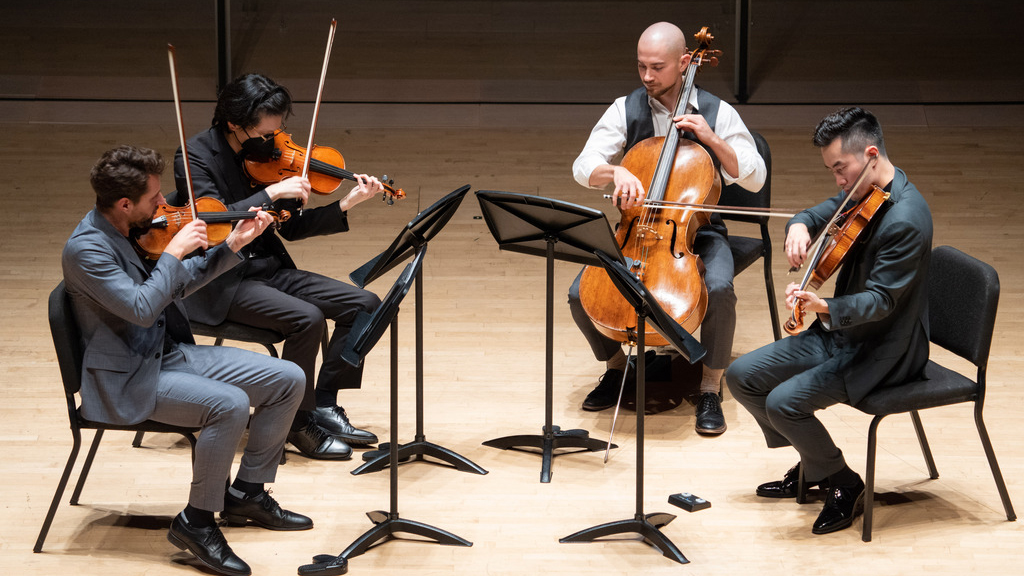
258, 149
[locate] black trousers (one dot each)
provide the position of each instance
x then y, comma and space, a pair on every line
298, 303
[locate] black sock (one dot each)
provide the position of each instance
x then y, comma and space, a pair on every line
198, 517
845, 477
326, 398
302, 418
250, 489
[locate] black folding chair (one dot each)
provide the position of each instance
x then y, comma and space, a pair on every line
68, 344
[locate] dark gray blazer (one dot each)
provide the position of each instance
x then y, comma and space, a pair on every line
217, 172
120, 308
879, 313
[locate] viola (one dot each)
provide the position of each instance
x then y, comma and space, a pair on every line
326, 168
841, 234
152, 241
659, 242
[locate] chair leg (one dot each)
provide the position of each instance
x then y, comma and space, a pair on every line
926, 450
992, 463
869, 479
137, 442
801, 487
325, 340
86, 466
61, 486
769, 284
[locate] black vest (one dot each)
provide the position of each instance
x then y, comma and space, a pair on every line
640, 125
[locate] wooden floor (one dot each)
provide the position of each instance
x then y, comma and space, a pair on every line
484, 370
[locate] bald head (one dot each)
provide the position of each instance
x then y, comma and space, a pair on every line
661, 60
664, 38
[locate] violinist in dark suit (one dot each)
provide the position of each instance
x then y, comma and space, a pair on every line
873, 332
140, 360
268, 291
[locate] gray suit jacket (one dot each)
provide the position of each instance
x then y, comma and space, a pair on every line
879, 314
122, 312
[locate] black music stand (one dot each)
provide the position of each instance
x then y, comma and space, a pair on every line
553, 229
647, 309
416, 234
366, 331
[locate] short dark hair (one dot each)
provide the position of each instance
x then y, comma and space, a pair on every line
124, 173
249, 97
857, 128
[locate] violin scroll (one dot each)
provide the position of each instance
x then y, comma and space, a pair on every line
796, 320
390, 192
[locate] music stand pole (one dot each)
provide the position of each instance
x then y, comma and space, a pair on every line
415, 236
553, 437
647, 525
416, 450
367, 329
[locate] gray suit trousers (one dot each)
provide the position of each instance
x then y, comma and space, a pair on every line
783, 384
212, 387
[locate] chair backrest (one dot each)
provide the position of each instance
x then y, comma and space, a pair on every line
963, 295
736, 195
67, 340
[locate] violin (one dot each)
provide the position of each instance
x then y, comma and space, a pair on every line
326, 168
657, 242
323, 166
167, 221
837, 239
151, 241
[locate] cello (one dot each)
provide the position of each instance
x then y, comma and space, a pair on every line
658, 243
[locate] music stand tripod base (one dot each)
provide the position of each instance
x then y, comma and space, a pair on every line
548, 442
417, 450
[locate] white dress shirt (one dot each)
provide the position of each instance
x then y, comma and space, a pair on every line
608, 139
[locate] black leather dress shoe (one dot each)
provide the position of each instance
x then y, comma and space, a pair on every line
262, 510
334, 420
314, 442
710, 420
606, 393
842, 505
208, 546
785, 488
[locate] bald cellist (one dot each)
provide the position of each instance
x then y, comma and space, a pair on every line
650, 111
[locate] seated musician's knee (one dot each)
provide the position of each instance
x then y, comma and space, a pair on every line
368, 301
721, 293
230, 405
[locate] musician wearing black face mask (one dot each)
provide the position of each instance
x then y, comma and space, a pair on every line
268, 291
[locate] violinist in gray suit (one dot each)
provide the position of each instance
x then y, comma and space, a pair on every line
141, 362
873, 332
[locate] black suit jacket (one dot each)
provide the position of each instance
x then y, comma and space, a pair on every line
879, 313
217, 172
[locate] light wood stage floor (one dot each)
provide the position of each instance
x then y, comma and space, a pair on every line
484, 312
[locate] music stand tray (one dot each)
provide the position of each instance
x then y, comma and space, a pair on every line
647, 310
417, 233
366, 331
555, 230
